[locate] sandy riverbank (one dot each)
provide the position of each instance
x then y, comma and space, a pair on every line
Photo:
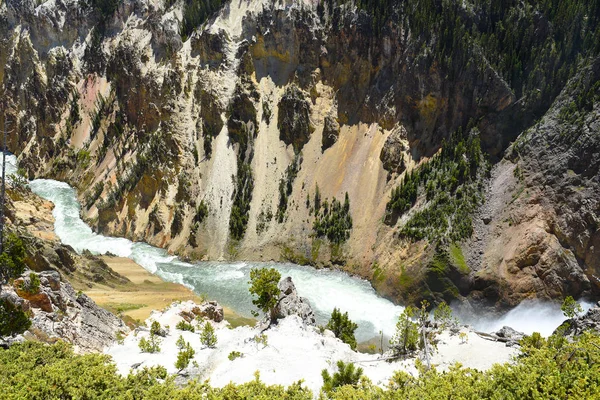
144, 293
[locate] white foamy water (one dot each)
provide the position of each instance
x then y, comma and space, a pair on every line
528, 317
227, 282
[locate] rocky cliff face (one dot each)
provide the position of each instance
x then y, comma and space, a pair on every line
239, 141
56, 310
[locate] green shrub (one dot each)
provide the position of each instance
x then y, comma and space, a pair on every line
184, 356
33, 286
208, 336
155, 328
347, 374
13, 320
342, 327
184, 326
234, 354
12, 259
150, 345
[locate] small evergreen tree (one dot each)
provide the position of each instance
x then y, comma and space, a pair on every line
180, 343
347, 374
571, 308
406, 337
443, 315
263, 285
150, 345
208, 336
185, 355
12, 319
12, 259
342, 327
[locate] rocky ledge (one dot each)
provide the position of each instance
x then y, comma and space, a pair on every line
59, 313
290, 303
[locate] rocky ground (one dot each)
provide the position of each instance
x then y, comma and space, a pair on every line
290, 351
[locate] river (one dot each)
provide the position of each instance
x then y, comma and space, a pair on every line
227, 282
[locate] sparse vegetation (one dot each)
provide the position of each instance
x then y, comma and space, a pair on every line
332, 221
261, 339
185, 326
264, 218
286, 186
35, 370
450, 187
195, 13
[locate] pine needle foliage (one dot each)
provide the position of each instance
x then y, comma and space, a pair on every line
342, 327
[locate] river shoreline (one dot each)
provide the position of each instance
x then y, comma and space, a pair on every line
145, 292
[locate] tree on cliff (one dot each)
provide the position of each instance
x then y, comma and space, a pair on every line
12, 259
342, 327
571, 308
263, 285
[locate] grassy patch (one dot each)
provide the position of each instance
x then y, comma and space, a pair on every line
118, 308
458, 259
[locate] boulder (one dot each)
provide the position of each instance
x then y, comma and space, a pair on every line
37, 299
331, 131
211, 310
290, 303
507, 332
392, 153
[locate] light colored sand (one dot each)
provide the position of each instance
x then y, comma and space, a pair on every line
145, 293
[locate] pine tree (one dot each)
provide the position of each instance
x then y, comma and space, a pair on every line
342, 327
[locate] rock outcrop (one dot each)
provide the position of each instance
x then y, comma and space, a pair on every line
590, 321
59, 313
290, 303
211, 310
